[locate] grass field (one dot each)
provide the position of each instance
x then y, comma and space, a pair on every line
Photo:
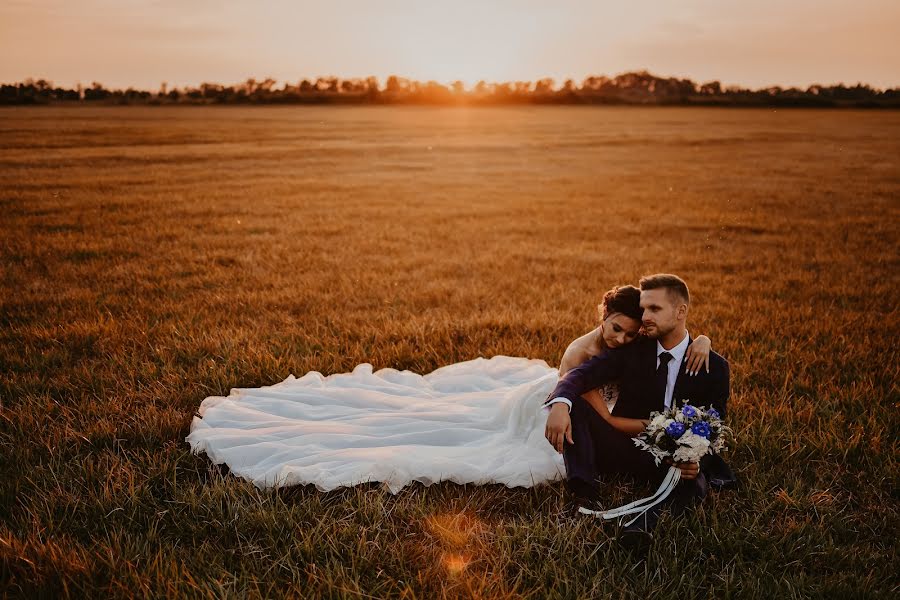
155, 256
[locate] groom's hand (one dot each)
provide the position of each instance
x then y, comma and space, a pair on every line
559, 426
689, 470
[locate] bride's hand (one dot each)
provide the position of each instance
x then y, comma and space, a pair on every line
697, 355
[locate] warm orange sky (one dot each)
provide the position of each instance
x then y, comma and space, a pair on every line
752, 43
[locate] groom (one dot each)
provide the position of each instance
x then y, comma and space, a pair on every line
651, 376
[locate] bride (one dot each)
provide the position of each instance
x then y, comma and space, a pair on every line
478, 421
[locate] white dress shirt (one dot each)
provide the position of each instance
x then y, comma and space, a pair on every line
674, 366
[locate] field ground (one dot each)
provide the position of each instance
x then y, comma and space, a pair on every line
155, 256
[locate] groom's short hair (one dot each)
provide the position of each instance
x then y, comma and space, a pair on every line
674, 285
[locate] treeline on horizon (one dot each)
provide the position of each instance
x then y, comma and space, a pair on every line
639, 87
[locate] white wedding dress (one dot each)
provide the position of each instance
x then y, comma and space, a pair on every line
478, 421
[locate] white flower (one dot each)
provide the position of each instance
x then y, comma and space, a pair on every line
658, 422
691, 448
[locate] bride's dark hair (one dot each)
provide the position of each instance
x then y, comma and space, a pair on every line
625, 299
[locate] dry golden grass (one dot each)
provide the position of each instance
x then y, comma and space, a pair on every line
154, 256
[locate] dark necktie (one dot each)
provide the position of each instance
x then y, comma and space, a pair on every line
662, 377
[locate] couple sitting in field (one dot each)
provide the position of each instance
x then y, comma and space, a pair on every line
481, 421
641, 371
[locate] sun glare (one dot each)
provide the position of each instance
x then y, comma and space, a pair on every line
458, 535
456, 563
447, 66
490, 42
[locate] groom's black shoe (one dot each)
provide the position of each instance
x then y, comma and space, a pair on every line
718, 474
636, 537
586, 498
636, 541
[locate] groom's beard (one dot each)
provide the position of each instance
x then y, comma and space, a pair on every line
655, 332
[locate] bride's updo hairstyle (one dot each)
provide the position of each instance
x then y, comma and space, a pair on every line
625, 299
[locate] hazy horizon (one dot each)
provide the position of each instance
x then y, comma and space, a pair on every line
143, 43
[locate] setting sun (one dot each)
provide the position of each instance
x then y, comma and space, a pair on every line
490, 42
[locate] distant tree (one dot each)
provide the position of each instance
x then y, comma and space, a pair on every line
393, 84
543, 86
327, 84
266, 85
67, 95
372, 89
522, 88
249, 87
398, 87
711, 88
502, 89
96, 92
594, 83
211, 90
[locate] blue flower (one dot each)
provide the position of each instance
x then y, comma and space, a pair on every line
689, 411
701, 428
675, 430
713, 414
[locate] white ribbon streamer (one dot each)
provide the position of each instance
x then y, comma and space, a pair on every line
644, 504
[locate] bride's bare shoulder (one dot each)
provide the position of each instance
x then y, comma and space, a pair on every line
586, 342
579, 350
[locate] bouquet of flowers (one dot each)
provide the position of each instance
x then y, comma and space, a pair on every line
683, 434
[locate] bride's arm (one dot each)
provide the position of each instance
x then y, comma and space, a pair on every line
576, 353
630, 426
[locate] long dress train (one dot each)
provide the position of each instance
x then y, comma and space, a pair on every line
478, 421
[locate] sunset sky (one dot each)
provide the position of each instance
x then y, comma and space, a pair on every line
756, 43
